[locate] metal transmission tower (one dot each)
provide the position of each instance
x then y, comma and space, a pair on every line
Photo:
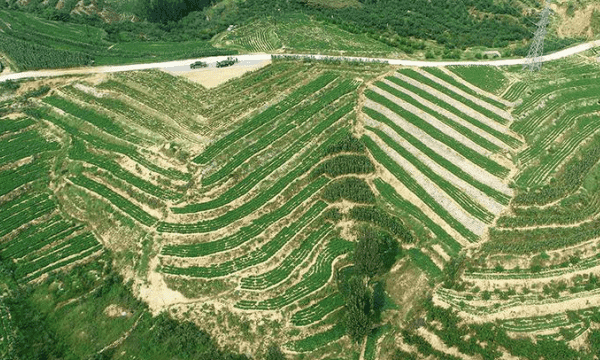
533, 61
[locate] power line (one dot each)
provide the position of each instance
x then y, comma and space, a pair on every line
536, 50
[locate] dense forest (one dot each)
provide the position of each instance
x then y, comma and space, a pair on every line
403, 24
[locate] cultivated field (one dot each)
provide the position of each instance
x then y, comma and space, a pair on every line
239, 207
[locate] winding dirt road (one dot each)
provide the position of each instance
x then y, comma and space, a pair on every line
261, 57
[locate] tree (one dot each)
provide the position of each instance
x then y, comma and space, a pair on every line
274, 353
359, 309
375, 252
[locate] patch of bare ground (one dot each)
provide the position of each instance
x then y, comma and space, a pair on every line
452, 116
433, 121
155, 291
405, 193
441, 197
114, 310
213, 77
547, 306
452, 155
406, 285
439, 345
454, 103
576, 25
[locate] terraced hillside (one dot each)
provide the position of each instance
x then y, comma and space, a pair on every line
243, 208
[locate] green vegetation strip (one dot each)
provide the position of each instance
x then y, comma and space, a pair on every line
319, 310
463, 130
254, 204
255, 257
265, 117
442, 161
246, 233
104, 144
390, 195
480, 109
461, 198
117, 200
22, 145
257, 175
317, 276
424, 262
79, 152
102, 122
291, 262
17, 176
37, 236
504, 137
318, 340
487, 78
374, 335
290, 123
38, 263
414, 187
23, 209
485, 163
9, 126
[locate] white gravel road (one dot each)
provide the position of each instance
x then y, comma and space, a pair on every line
260, 57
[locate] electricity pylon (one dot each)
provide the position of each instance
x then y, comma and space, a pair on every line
536, 50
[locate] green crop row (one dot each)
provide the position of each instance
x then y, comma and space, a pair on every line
23, 209
9, 126
546, 137
265, 117
291, 262
78, 151
424, 263
515, 91
101, 143
442, 161
257, 202
451, 246
548, 164
316, 277
117, 200
290, 123
570, 210
35, 266
464, 70
32, 56
22, 145
565, 100
480, 109
463, 130
100, 121
318, 311
318, 340
244, 234
15, 177
256, 176
567, 181
37, 236
536, 239
504, 137
537, 95
255, 257
413, 186
461, 198
485, 163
